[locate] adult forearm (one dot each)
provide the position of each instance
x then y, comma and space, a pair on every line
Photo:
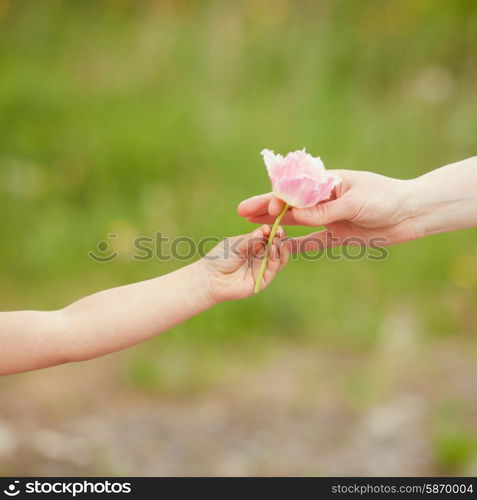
445, 199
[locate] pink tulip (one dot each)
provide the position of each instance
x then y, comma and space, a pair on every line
299, 180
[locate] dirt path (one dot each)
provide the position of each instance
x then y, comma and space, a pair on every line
301, 413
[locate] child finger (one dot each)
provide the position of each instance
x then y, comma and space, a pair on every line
281, 233
265, 229
285, 249
275, 251
272, 265
274, 259
259, 242
248, 243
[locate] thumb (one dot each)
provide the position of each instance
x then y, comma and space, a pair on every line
275, 206
324, 213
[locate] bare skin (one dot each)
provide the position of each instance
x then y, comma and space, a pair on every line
368, 206
121, 317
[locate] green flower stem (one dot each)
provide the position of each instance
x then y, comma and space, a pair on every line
263, 265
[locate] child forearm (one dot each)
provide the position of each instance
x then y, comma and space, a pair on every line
102, 323
120, 317
25, 336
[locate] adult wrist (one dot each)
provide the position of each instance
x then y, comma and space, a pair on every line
437, 205
414, 205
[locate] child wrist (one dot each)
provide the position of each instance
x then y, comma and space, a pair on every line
206, 287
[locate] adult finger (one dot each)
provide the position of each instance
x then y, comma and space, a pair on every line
275, 206
256, 205
325, 213
288, 219
314, 241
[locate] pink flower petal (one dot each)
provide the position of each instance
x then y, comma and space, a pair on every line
299, 179
271, 160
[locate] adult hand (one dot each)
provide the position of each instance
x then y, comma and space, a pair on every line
364, 209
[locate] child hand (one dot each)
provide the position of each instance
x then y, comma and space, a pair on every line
232, 266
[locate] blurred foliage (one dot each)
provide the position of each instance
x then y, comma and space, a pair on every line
455, 441
128, 117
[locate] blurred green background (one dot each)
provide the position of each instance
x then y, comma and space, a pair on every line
132, 117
